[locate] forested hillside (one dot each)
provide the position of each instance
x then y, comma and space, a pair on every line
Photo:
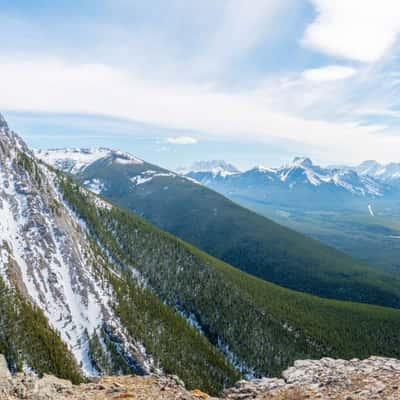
237, 235
262, 327
55, 275
26, 339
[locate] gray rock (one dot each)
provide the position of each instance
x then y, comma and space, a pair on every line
5, 378
5, 374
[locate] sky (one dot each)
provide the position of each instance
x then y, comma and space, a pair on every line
252, 82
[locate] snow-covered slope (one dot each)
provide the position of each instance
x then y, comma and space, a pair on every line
45, 251
77, 159
386, 173
87, 163
303, 171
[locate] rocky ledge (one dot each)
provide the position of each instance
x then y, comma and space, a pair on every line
373, 378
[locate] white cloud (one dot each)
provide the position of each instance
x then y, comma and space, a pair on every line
329, 73
361, 30
58, 87
181, 140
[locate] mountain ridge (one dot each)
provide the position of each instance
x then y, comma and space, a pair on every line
290, 178
371, 168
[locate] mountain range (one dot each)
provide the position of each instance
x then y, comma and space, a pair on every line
303, 184
89, 288
224, 229
354, 209
383, 172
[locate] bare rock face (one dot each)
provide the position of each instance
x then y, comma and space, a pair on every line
4, 371
5, 376
45, 253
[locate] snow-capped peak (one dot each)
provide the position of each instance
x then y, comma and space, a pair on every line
300, 172
262, 168
76, 160
385, 173
369, 167
214, 166
72, 160
302, 161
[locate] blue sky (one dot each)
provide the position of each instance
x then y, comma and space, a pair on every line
254, 82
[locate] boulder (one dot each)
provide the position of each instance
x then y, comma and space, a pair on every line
5, 374
48, 386
5, 377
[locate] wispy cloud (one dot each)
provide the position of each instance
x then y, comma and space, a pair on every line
329, 73
242, 27
168, 66
57, 87
181, 140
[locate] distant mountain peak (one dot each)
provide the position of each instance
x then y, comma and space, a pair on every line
384, 172
302, 161
209, 165
301, 172
214, 167
369, 163
74, 160
263, 168
368, 167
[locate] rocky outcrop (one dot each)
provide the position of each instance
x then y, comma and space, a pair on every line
4, 371
5, 376
153, 387
374, 378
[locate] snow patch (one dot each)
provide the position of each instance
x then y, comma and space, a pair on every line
94, 185
148, 176
371, 211
72, 160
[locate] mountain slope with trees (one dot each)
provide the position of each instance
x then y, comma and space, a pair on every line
262, 327
65, 306
26, 339
233, 233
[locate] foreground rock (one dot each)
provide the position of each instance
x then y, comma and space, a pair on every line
107, 388
374, 378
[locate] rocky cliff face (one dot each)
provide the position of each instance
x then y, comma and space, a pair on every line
45, 252
373, 378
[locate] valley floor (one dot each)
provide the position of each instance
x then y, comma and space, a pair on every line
373, 378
